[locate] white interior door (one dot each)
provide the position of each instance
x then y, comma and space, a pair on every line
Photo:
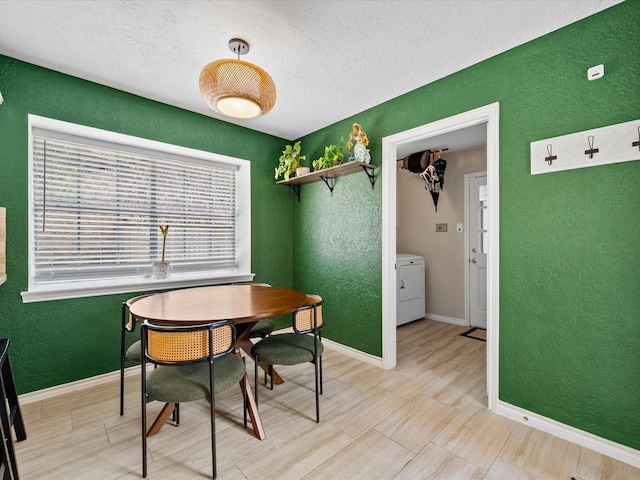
477, 232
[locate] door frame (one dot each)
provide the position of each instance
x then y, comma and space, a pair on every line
467, 266
488, 114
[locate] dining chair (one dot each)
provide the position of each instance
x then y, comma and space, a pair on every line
193, 362
302, 346
133, 353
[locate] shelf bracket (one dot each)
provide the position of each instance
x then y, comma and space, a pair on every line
296, 189
329, 182
371, 175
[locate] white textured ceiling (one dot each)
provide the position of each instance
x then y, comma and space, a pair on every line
329, 59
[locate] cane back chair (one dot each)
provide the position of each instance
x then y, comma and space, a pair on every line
194, 362
301, 346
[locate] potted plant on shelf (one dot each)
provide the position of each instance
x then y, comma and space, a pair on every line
333, 155
161, 267
290, 161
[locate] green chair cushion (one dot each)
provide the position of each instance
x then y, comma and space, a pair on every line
189, 382
286, 349
134, 352
262, 329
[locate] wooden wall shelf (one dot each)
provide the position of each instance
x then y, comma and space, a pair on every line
329, 174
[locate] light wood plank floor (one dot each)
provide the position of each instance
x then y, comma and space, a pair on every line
425, 419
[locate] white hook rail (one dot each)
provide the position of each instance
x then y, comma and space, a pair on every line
600, 146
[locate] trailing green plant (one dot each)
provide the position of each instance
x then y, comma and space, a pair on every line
290, 160
333, 155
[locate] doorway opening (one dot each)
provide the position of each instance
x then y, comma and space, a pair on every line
488, 115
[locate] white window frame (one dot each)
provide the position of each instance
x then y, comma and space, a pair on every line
113, 285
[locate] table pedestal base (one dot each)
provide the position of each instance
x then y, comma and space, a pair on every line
161, 419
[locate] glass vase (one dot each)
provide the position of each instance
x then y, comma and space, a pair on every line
160, 269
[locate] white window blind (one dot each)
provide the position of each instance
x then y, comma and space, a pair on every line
96, 207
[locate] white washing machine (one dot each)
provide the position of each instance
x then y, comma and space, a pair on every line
410, 303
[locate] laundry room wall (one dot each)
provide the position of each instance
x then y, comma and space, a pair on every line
443, 251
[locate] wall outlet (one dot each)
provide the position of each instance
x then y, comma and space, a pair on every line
594, 73
441, 227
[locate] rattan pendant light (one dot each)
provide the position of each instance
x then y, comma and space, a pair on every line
236, 88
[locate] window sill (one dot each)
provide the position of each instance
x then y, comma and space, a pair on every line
129, 285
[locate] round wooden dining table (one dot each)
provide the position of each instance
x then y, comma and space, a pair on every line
244, 305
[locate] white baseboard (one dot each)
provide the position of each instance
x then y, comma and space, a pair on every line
572, 434
76, 386
442, 318
353, 353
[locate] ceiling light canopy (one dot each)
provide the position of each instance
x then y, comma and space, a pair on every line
236, 88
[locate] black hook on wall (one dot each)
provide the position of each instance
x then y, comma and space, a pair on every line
591, 150
637, 143
551, 156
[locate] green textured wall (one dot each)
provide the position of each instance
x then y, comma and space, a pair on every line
569, 241
66, 340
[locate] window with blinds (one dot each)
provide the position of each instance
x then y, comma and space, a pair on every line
96, 207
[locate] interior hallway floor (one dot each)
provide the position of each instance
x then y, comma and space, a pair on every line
427, 419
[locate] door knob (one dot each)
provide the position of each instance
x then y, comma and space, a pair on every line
474, 250
474, 260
